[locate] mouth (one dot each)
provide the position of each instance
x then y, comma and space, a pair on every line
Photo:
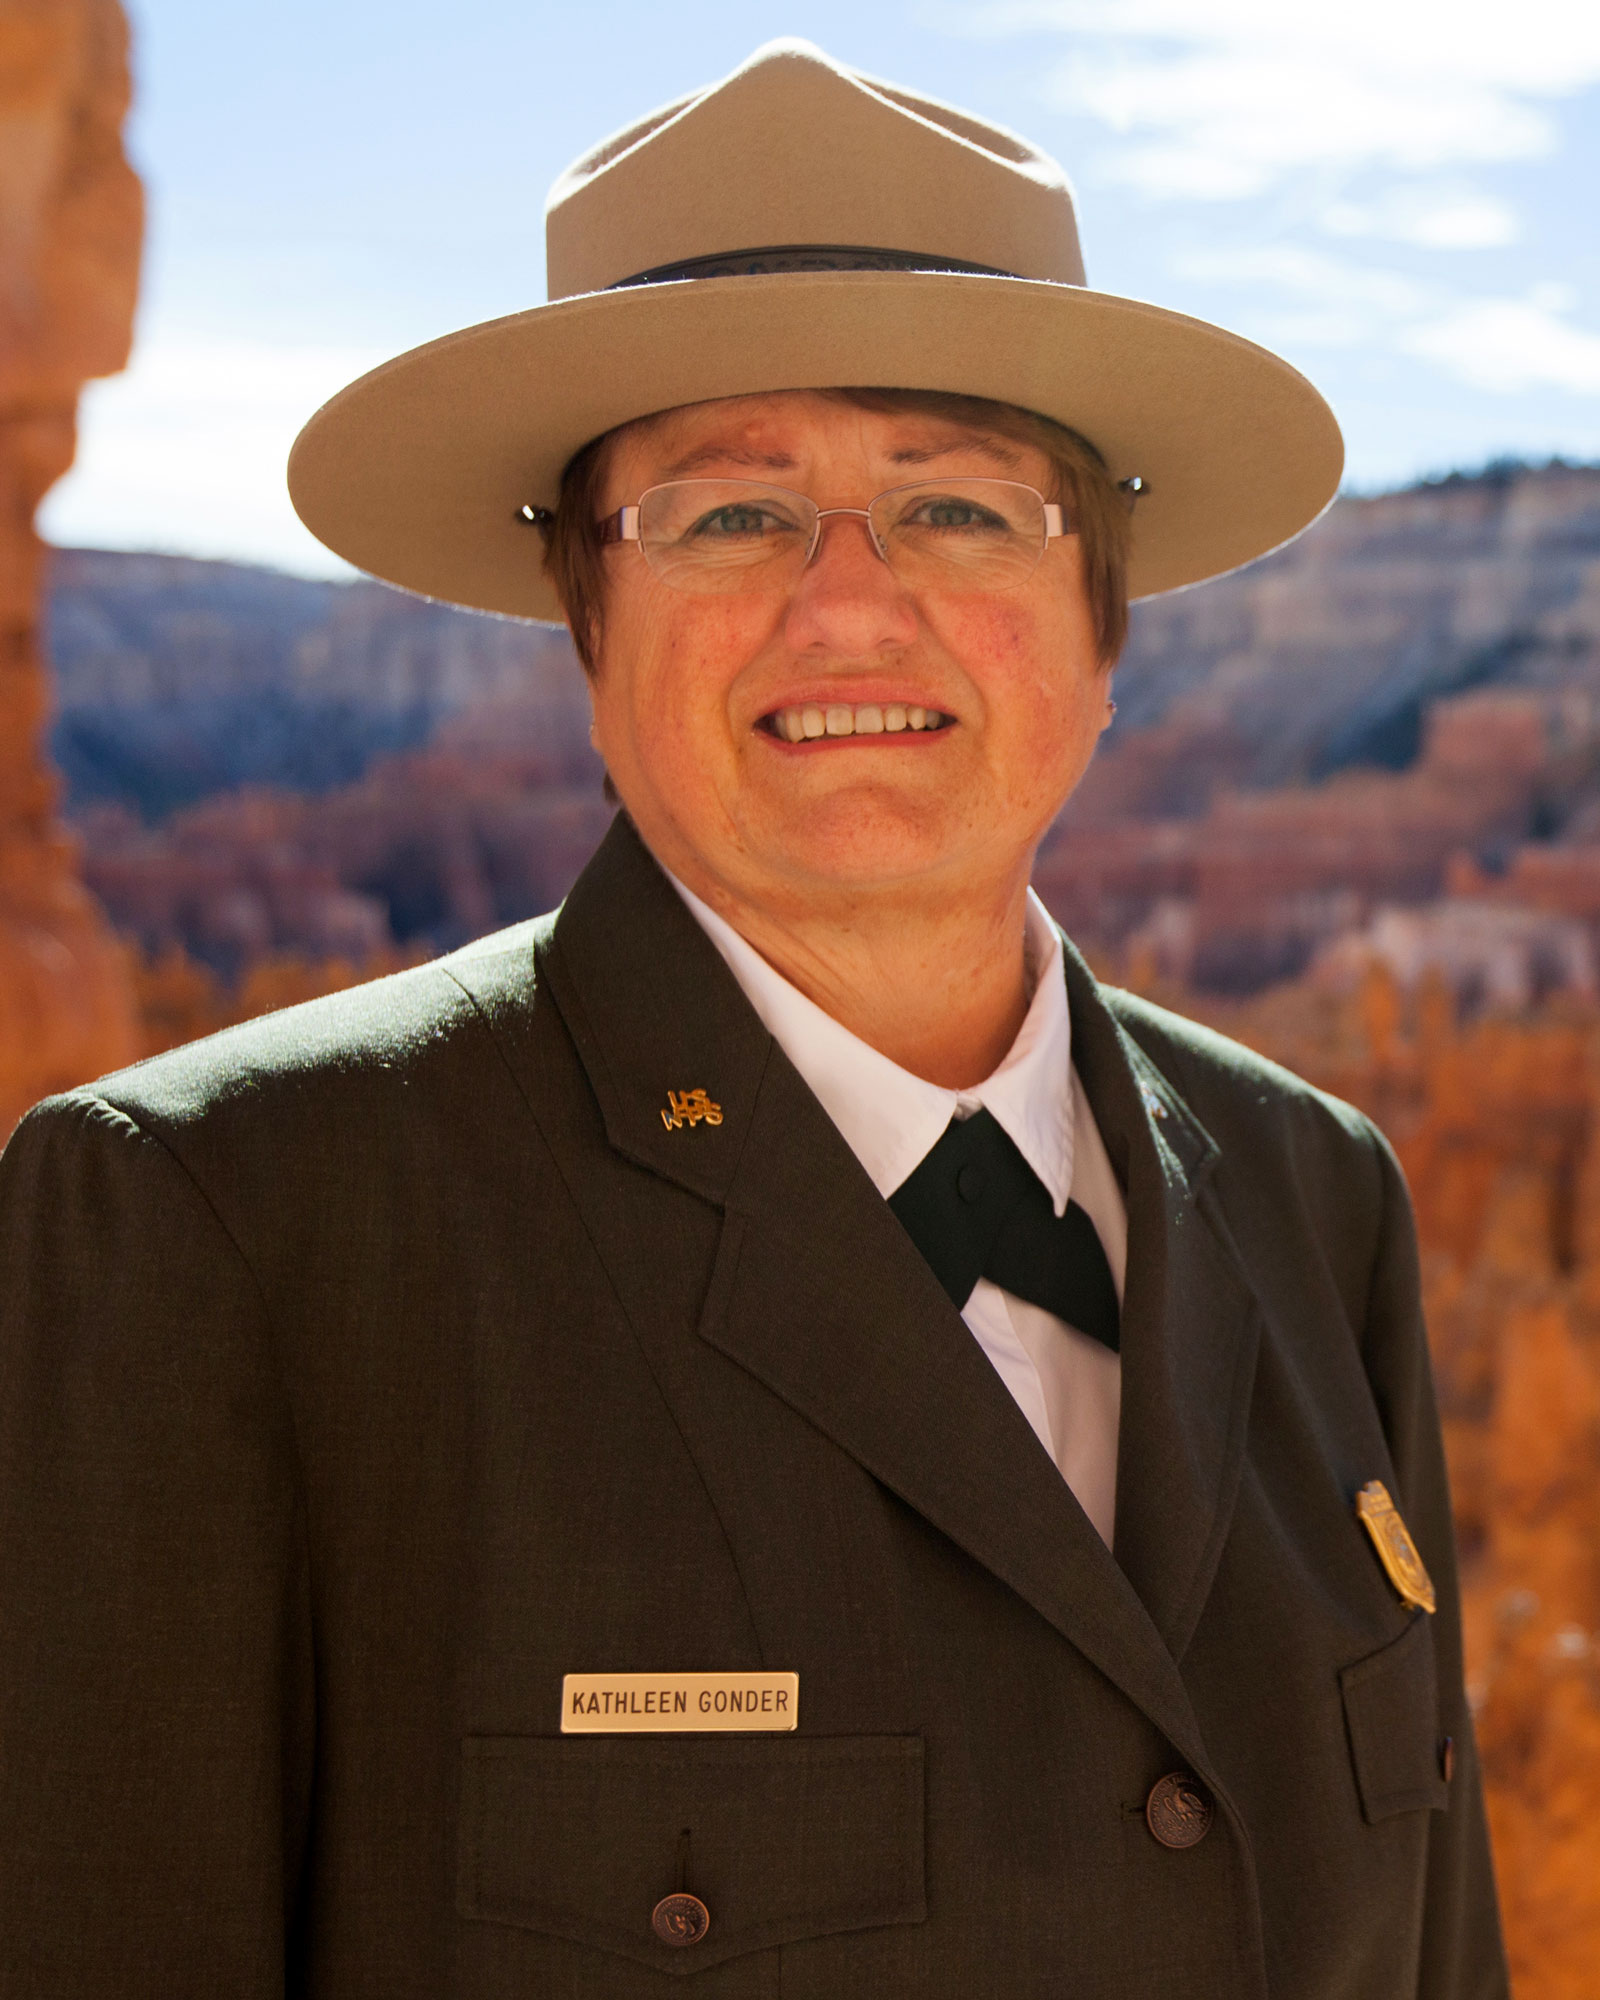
814, 722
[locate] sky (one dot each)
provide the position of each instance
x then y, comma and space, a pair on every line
1401, 196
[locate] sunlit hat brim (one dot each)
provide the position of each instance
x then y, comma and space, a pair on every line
417, 472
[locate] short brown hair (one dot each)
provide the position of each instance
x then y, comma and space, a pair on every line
1096, 507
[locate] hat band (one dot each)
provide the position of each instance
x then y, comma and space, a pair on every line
804, 257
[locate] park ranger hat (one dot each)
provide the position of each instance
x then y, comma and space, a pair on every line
800, 225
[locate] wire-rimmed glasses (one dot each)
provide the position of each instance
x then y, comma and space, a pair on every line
721, 536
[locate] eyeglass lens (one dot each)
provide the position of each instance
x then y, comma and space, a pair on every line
726, 535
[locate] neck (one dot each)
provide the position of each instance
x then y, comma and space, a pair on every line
938, 984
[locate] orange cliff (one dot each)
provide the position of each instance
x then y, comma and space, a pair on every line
71, 216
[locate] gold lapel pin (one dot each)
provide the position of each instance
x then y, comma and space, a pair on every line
689, 1107
1396, 1550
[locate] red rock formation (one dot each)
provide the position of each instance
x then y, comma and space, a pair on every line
1264, 877
431, 848
70, 221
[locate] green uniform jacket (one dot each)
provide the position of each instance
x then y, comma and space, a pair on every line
366, 1369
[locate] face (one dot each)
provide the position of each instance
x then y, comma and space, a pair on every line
691, 692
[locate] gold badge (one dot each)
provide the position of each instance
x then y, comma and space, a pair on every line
1396, 1550
689, 1107
657, 1704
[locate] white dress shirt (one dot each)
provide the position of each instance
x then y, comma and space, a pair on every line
1068, 1386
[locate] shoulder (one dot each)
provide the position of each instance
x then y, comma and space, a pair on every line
1262, 1116
1225, 1076
340, 1062
327, 1132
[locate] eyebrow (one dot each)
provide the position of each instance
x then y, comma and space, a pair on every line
985, 443
728, 454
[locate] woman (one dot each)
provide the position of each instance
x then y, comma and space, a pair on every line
764, 1429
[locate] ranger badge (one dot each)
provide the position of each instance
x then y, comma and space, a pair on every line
1396, 1550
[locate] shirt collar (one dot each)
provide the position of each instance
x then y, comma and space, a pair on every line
891, 1119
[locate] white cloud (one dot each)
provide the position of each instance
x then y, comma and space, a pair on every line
1509, 346
1542, 47
1219, 99
1311, 275
1233, 121
1433, 217
187, 451
1328, 301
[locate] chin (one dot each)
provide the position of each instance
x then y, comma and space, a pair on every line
863, 847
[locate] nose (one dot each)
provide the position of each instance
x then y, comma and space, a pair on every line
848, 601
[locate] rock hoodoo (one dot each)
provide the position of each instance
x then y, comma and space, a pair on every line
71, 215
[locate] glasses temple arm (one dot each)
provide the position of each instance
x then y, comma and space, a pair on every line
622, 526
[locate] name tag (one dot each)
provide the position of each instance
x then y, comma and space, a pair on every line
612, 1704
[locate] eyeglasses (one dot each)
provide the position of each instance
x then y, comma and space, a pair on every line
720, 536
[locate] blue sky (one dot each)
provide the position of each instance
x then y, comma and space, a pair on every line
1402, 196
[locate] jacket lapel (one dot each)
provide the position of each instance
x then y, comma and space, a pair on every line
653, 1010
818, 1293
1191, 1324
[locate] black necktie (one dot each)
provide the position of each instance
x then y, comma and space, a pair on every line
976, 1209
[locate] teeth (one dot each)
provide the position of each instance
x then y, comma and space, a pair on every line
868, 718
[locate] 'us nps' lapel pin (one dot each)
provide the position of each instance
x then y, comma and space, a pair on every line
689, 1107
1396, 1550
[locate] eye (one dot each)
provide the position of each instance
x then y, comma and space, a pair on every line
953, 514
740, 521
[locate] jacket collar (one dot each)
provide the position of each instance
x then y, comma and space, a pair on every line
817, 1292
891, 1119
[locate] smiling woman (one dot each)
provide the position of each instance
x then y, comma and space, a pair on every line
744, 728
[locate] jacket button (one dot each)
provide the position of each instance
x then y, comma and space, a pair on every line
1177, 1811
680, 1919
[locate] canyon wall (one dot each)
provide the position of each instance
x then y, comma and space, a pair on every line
1412, 687
70, 226
177, 678
1329, 652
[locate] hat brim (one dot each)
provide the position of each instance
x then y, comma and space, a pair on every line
417, 471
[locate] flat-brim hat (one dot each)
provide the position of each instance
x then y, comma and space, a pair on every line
800, 225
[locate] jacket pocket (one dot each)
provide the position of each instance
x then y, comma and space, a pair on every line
789, 1838
1391, 1714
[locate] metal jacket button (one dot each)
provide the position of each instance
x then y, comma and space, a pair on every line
1177, 1811
680, 1919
